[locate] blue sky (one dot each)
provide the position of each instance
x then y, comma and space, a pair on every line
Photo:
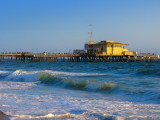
63, 25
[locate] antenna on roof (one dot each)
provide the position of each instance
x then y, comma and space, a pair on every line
91, 37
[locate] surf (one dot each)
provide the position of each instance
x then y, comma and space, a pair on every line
66, 82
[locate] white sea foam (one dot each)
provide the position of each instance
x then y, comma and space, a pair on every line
70, 73
4, 73
16, 85
48, 106
50, 115
22, 75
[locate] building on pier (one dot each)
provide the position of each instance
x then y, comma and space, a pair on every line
107, 48
79, 51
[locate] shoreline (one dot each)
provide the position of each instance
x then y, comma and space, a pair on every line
3, 116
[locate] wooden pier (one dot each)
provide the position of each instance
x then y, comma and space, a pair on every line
69, 57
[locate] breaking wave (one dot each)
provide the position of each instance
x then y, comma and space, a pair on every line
22, 76
59, 79
30, 75
49, 79
4, 73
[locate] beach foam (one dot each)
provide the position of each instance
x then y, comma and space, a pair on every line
48, 116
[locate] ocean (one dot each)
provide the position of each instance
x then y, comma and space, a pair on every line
80, 91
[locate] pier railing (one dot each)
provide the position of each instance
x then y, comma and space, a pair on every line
70, 57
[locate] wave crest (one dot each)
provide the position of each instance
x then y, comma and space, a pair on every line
49, 79
21, 75
57, 79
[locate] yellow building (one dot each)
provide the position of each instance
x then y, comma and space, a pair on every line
107, 48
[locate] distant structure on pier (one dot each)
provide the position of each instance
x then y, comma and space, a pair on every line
103, 51
107, 47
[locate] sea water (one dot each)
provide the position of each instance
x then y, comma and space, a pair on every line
80, 91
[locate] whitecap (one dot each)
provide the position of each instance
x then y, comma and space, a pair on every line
22, 75
70, 73
4, 73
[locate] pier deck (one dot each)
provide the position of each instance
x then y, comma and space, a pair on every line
69, 57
